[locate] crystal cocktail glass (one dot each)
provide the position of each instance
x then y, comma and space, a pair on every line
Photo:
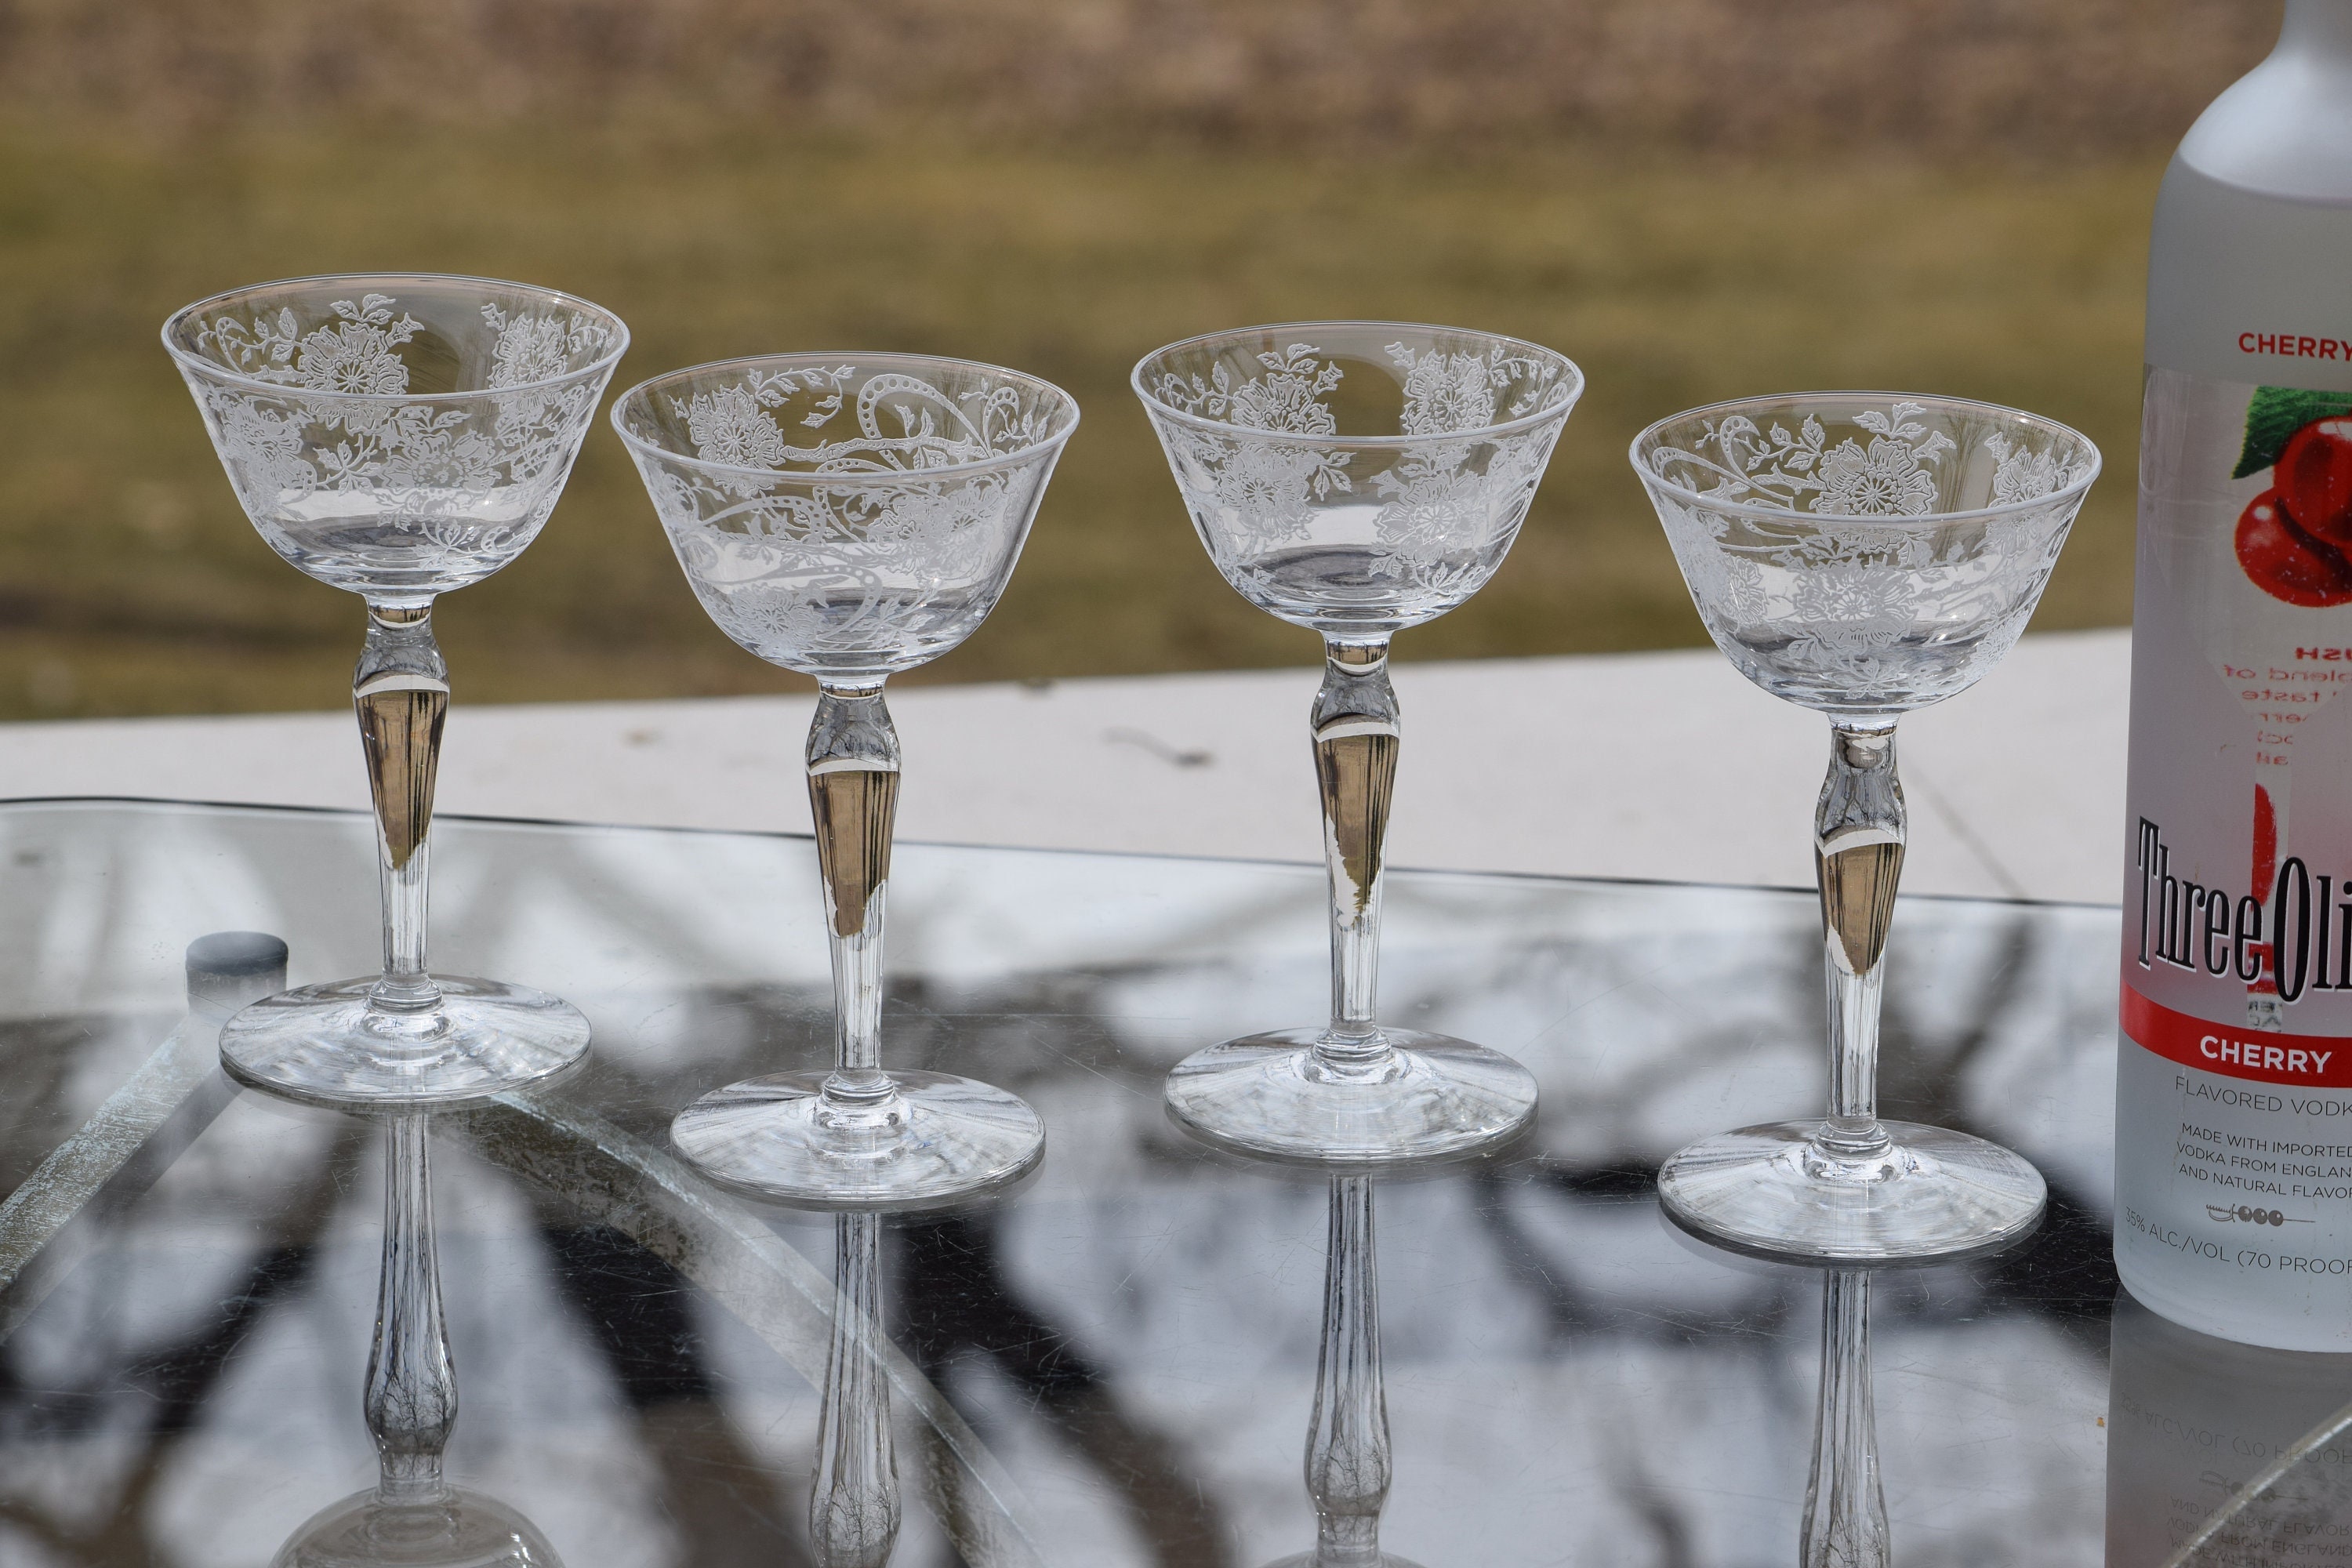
1355, 479
398, 436
1862, 554
850, 516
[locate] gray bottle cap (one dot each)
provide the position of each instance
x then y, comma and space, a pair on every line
230, 968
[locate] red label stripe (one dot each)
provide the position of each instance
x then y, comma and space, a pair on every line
2316, 1061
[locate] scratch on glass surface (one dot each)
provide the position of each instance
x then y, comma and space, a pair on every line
78, 1169
2269, 1476
650, 1196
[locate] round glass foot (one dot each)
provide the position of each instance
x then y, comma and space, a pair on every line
940, 1138
322, 1046
463, 1530
1428, 1097
1935, 1193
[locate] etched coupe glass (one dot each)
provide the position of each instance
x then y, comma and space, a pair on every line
1355, 479
849, 516
1862, 554
399, 436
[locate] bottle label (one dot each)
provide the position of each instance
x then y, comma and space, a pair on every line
2234, 1090
2264, 1056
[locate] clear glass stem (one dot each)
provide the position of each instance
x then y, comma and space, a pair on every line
1355, 730
401, 692
412, 1388
1347, 1457
1845, 1507
854, 1507
1858, 832
852, 779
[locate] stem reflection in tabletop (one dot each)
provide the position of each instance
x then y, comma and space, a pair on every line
854, 1505
412, 1517
1845, 1506
1350, 1462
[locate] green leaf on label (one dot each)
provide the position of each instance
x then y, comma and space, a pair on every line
2277, 412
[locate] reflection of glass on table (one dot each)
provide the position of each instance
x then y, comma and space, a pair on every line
1115, 1368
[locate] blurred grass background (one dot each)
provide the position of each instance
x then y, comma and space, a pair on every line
1694, 199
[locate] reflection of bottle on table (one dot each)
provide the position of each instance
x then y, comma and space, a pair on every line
2222, 1453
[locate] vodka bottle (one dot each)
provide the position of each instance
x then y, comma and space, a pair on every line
2234, 1094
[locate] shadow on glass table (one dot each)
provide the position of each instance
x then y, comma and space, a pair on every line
1128, 1361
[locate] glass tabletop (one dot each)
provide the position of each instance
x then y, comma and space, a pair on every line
1120, 1363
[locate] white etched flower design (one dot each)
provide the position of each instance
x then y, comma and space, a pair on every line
1726, 585
1889, 478
1886, 479
1290, 404
539, 348
1445, 393
729, 426
1434, 508
949, 531
356, 354
1854, 604
1287, 397
2023, 474
448, 459
1266, 490
264, 446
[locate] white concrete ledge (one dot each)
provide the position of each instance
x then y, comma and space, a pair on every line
1665, 765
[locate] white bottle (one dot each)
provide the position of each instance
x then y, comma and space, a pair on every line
2234, 1093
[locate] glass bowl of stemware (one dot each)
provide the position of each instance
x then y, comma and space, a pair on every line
850, 516
1862, 554
1355, 479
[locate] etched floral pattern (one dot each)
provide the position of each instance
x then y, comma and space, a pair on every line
1827, 571
1286, 395
1894, 474
364, 485
860, 554
1297, 515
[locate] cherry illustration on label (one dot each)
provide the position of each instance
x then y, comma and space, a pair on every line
2315, 478
2285, 561
2292, 538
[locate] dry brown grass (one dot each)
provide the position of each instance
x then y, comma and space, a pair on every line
2043, 78
1696, 198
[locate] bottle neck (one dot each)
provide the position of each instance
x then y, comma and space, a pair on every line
2316, 28
2285, 129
